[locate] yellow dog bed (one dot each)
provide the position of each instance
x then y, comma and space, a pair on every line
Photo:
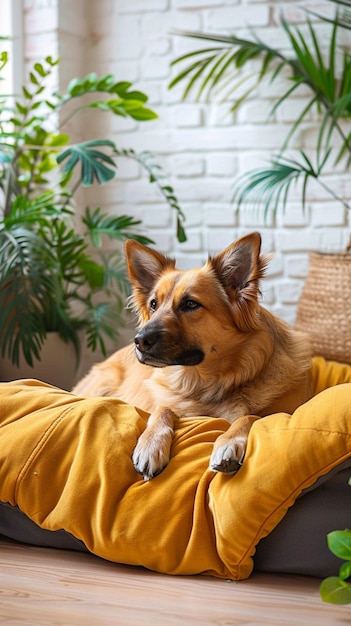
65, 462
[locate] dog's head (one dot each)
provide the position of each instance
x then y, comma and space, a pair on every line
189, 316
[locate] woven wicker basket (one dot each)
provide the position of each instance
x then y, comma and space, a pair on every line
324, 308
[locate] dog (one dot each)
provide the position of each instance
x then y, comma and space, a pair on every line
205, 347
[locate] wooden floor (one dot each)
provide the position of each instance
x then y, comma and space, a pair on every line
45, 587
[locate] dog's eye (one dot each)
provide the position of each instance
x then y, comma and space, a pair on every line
191, 305
153, 304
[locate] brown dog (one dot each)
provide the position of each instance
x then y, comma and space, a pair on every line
205, 347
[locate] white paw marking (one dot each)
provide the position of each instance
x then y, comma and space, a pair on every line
152, 452
229, 457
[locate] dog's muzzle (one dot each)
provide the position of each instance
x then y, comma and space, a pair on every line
152, 348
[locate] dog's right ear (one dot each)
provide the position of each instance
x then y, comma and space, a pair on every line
240, 268
145, 266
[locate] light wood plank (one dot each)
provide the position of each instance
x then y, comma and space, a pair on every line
45, 587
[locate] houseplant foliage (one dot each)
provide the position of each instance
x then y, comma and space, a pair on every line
55, 272
336, 589
321, 67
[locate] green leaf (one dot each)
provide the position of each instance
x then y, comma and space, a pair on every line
133, 108
142, 114
75, 87
33, 78
105, 83
93, 272
39, 68
92, 161
335, 591
3, 59
122, 90
51, 105
345, 571
35, 105
26, 93
58, 140
339, 543
22, 109
52, 62
181, 235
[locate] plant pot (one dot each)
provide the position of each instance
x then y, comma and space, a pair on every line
58, 364
324, 308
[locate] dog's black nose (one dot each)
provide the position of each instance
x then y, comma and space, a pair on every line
146, 339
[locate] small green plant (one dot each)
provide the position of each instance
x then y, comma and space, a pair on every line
336, 589
55, 271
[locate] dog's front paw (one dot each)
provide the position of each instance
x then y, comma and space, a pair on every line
152, 452
228, 455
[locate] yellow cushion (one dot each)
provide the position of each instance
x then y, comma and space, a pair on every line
66, 463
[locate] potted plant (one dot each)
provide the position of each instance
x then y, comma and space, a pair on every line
321, 67
55, 273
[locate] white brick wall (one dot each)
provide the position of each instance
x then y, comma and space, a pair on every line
202, 146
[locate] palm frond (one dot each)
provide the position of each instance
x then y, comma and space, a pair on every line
268, 187
118, 227
214, 66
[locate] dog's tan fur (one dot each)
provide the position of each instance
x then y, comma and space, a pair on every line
206, 347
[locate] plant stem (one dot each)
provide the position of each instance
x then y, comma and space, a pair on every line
70, 115
333, 194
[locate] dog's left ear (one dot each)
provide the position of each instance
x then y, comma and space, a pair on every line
239, 268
